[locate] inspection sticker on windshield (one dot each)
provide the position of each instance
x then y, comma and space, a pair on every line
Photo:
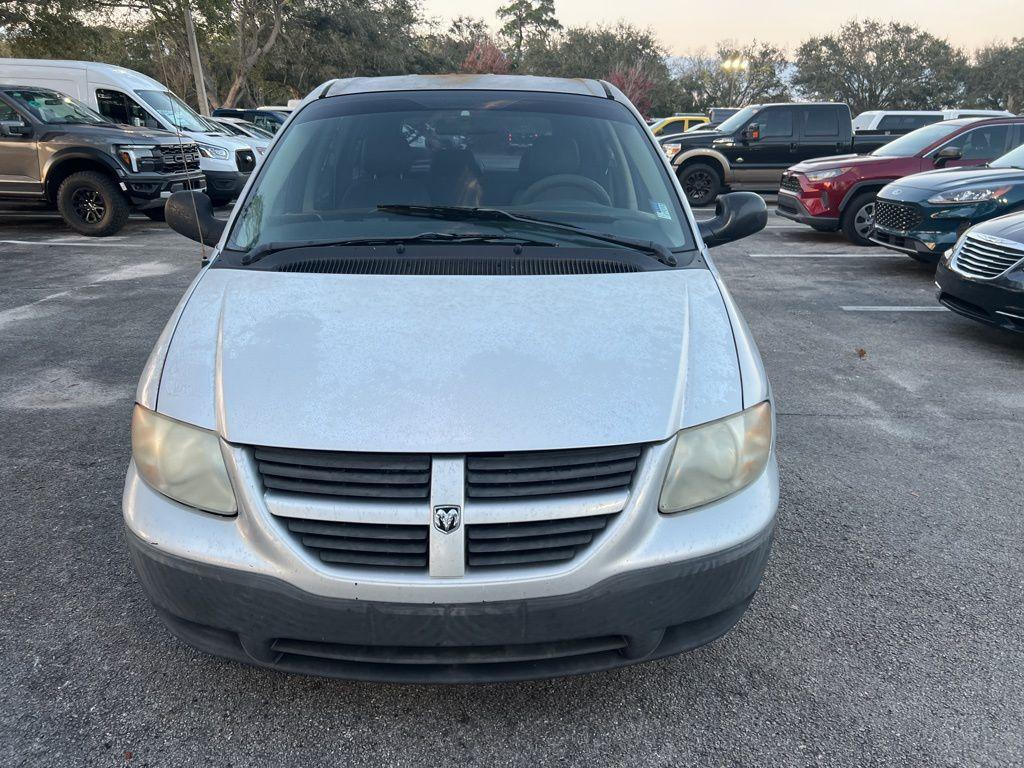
661, 210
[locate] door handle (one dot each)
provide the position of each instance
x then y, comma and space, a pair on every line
792, 146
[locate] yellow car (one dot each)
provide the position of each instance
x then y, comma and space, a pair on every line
670, 126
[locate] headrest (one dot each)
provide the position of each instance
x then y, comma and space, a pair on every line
386, 155
550, 156
454, 163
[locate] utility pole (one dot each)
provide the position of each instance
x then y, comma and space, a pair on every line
197, 65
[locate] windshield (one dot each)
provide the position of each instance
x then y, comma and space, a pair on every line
738, 120
1012, 159
174, 111
54, 108
911, 143
574, 160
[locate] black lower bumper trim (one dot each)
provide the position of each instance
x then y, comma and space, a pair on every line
793, 209
636, 616
152, 188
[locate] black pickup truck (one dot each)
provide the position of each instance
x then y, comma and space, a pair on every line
751, 149
56, 152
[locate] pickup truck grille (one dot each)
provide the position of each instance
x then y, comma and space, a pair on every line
896, 216
979, 257
246, 160
530, 543
178, 158
790, 183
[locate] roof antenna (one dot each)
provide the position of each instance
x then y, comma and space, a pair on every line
181, 148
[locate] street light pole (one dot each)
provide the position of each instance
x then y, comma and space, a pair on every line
197, 65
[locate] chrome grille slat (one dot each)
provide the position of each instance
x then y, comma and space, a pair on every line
984, 259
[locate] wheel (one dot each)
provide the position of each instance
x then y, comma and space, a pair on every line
859, 219
701, 183
154, 214
91, 204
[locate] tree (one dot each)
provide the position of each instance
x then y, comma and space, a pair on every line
995, 81
736, 75
875, 65
257, 27
525, 19
485, 58
635, 84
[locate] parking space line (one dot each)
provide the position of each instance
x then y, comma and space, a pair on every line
827, 256
65, 243
936, 308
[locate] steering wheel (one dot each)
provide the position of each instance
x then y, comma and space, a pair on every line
588, 186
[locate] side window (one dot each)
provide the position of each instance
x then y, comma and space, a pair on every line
120, 108
983, 143
821, 122
9, 115
775, 123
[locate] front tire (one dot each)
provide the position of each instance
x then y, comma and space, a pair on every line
701, 183
91, 204
859, 219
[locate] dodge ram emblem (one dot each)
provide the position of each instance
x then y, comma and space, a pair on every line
446, 519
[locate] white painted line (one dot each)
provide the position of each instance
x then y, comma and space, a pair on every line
889, 255
61, 242
895, 309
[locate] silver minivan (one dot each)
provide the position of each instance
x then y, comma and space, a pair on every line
459, 396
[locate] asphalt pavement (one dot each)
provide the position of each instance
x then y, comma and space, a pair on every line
887, 631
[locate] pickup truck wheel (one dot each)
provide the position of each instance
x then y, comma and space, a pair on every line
155, 214
859, 219
701, 183
91, 204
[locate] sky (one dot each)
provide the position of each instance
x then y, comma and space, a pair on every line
685, 27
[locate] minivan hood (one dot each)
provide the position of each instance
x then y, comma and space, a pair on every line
450, 364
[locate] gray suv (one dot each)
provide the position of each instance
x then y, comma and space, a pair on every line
57, 152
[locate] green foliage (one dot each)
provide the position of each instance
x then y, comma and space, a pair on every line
526, 21
996, 81
876, 65
736, 75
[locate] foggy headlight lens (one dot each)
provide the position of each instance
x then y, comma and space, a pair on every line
181, 461
714, 460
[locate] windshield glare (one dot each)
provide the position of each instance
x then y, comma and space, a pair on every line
174, 111
911, 143
738, 120
575, 160
1012, 159
54, 108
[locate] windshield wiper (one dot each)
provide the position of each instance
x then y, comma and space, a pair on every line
466, 213
266, 249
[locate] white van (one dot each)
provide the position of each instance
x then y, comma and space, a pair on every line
907, 120
125, 96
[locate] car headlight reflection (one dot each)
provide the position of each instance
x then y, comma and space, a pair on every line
714, 460
181, 461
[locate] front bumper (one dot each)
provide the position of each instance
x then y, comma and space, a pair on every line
650, 586
146, 190
790, 206
923, 246
225, 185
998, 302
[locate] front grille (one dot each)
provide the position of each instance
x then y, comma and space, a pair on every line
358, 544
547, 473
177, 158
428, 265
396, 476
984, 258
530, 543
246, 160
898, 216
790, 184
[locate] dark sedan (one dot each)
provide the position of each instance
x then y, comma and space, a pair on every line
923, 215
982, 277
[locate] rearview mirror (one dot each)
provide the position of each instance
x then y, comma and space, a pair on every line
737, 215
752, 132
14, 128
946, 154
190, 214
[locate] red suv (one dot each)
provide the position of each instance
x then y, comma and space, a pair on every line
833, 193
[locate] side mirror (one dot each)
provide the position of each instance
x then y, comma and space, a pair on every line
946, 154
14, 128
190, 214
752, 132
737, 215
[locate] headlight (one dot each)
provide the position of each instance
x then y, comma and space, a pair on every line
136, 157
671, 149
825, 175
181, 461
717, 459
208, 150
972, 195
